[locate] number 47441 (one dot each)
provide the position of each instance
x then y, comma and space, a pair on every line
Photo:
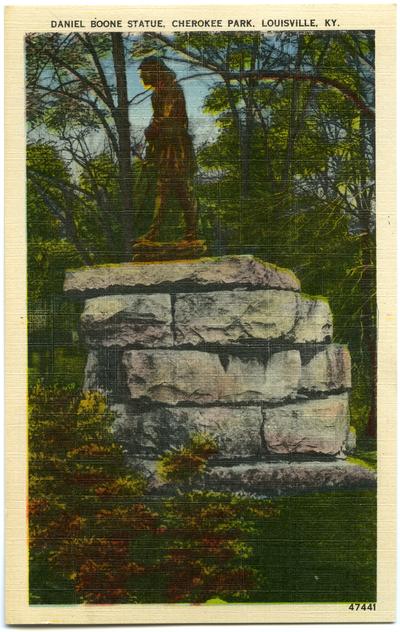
362, 606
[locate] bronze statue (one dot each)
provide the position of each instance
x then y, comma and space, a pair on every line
170, 150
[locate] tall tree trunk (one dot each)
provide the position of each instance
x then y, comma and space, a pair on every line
247, 137
367, 318
287, 176
121, 117
368, 313
245, 151
246, 129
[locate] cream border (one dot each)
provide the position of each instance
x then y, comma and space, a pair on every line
21, 19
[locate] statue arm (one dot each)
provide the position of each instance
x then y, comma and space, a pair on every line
170, 117
153, 130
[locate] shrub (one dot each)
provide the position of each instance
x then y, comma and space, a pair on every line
94, 538
207, 549
85, 507
186, 464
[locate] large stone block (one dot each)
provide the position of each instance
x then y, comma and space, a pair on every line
270, 478
173, 377
328, 369
243, 271
239, 317
237, 431
121, 320
310, 427
314, 322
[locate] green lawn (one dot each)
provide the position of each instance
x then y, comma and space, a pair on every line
321, 547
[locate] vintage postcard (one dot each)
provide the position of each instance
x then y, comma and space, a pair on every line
200, 307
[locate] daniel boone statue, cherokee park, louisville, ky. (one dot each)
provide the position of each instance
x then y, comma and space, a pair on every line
170, 151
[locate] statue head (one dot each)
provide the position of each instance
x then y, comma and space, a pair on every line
153, 72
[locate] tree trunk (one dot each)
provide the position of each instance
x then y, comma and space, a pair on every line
287, 176
121, 117
368, 314
246, 128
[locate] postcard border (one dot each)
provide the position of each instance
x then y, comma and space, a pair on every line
382, 19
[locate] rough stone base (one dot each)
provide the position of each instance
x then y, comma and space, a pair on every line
269, 478
224, 346
317, 428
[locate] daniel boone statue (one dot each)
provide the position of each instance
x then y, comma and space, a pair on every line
169, 149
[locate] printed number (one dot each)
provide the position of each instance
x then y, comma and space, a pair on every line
362, 606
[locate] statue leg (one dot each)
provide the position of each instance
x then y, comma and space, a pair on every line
160, 204
189, 206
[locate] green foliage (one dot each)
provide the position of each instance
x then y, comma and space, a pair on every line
85, 506
50, 251
185, 464
291, 179
209, 545
207, 534
89, 525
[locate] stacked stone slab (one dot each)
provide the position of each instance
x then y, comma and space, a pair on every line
229, 347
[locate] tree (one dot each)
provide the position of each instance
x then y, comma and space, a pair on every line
76, 85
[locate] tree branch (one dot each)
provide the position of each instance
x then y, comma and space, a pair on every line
275, 75
91, 104
84, 80
87, 42
302, 76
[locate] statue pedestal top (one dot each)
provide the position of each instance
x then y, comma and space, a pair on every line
182, 275
145, 250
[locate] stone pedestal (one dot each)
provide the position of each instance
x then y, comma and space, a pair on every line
229, 347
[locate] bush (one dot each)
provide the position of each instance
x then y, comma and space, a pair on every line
207, 548
93, 539
84, 507
186, 464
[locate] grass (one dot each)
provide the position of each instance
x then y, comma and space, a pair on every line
318, 548
321, 548
367, 455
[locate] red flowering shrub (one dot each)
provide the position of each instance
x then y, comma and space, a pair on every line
85, 507
209, 548
208, 534
89, 525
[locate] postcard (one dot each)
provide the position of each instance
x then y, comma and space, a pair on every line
200, 314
